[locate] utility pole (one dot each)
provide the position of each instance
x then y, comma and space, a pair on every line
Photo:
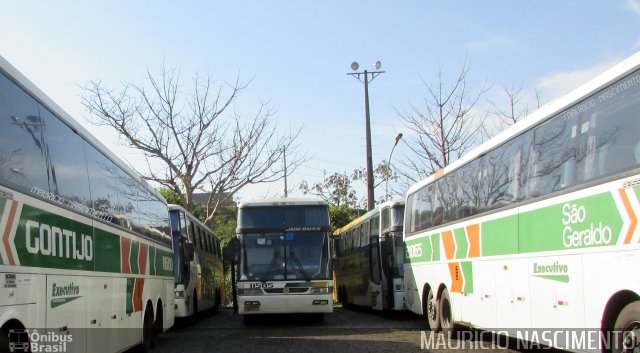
284, 152
365, 74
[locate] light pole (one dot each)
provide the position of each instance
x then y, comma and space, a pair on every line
363, 77
398, 137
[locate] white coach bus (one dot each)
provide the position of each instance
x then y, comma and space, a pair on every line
538, 227
85, 254
284, 264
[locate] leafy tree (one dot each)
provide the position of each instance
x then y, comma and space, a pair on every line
336, 189
340, 216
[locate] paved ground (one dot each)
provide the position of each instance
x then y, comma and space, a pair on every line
343, 331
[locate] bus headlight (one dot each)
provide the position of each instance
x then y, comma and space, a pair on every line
249, 291
179, 294
319, 290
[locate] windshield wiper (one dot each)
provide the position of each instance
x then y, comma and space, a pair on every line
297, 262
274, 260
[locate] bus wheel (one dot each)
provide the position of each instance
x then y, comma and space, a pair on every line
431, 310
195, 304
446, 315
627, 329
147, 331
4, 341
157, 327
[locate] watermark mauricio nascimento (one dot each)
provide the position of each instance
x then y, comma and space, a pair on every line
570, 339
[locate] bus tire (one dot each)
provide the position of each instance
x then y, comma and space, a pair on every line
195, 304
446, 314
626, 329
431, 309
147, 330
4, 341
157, 327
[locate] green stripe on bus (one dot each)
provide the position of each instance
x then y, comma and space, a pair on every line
467, 272
164, 263
108, 251
129, 298
588, 222
152, 260
500, 236
44, 239
435, 240
3, 202
462, 245
133, 257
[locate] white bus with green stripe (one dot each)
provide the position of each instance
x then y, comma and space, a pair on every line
284, 263
538, 227
85, 249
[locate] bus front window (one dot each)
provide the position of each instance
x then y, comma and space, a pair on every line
308, 255
265, 257
262, 257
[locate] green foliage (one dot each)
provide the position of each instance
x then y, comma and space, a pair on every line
340, 216
170, 195
336, 189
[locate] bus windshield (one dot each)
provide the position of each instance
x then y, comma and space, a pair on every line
288, 255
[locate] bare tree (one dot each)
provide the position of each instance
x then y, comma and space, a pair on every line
442, 130
516, 107
192, 140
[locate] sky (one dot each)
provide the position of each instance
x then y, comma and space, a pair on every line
297, 55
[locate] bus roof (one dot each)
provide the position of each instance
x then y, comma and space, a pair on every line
192, 217
22, 81
537, 117
282, 202
369, 214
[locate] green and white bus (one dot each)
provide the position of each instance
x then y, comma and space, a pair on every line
197, 264
85, 255
538, 227
284, 264
369, 258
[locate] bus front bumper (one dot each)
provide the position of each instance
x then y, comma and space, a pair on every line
284, 304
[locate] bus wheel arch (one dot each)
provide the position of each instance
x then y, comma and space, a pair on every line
614, 308
12, 324
430, 307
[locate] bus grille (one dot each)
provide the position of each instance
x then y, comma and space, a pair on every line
281, 290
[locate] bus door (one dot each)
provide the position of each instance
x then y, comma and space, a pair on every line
374, 284
386, 264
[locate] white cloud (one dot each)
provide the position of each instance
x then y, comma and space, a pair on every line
634, 5
561, 83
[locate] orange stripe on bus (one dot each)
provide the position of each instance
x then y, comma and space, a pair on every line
138, 289
142, 258
632, 215
125, 244
473, 234
449, 244
7, 233
457, 281
439, 173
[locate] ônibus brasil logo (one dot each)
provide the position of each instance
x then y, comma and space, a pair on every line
25, 341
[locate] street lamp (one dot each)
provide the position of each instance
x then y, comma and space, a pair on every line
363, 77
398, 137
